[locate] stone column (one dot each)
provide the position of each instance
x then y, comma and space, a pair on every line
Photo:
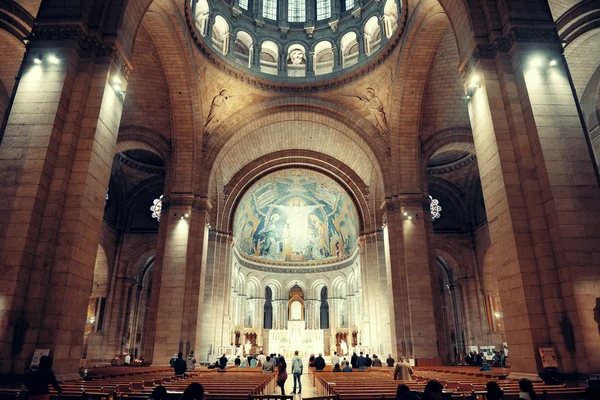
542, 201
55, 163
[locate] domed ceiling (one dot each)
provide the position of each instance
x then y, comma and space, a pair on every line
296, 216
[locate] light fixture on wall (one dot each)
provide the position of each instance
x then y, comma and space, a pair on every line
473, 85
540, 62
53, 59
38, 60
116, 84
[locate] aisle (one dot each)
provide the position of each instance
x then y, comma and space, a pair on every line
308, 390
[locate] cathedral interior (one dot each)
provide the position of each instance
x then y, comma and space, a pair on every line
406, 177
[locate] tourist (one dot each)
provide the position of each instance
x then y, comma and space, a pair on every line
485, 366
433, 391
311, 361
468, 359
347, 368
368, 361
282, 374
250, 359
253, 362
493, 391
261, 358
38, 380
320, 362
335, 359
361, 363
336, 368
502, 359
297, 371
526, 391
191, 362
172, 360
237, 361
403, 371
390, 361
223, 361
179, 365
268, 366
376, 361
159, 393
354, 360
194, 391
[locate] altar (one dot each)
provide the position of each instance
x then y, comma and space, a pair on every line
296, 337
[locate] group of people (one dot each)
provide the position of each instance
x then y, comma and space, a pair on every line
479, 360
434, 391
181, 366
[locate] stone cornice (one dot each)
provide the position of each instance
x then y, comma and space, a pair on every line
90, 44
140, 165
489, 51
453, 166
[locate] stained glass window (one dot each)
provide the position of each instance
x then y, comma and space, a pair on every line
297, 11
244, 4
349, 4
323, 9
156, 208
435, 208
270, 9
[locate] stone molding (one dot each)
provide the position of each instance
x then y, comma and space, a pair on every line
452, 166
139, 165
489, 51
91, 44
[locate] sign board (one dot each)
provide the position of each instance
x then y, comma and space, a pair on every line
548, 357
37, 354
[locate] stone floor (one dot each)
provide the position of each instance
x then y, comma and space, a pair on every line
308, 389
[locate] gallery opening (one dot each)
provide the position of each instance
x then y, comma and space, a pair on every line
405, 188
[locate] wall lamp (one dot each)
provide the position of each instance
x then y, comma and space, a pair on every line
181, 215
52, 59
474, 84
542, 62
118, 88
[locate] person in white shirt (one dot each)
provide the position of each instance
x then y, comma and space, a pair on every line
335, 359
262, 358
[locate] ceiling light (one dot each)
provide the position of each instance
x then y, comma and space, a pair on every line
38, 60
537, 62
552, 63
53, 59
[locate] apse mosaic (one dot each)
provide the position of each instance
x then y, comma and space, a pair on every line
296, 215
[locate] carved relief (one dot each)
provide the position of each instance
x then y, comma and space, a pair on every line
218, 107
376, 110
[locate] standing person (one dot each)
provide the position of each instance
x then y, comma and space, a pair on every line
376, 361
268, 366
179, 365
361, 362
335, 359
526, 391
368, 361
237, 361
390, 361
190, 362
282, 374
297, 371
403, 371
172, 360
502, 359
38, 380
311, 360
433, 391
261, 357
354, 360
320, 362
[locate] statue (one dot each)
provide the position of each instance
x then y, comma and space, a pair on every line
375, 106
344, 347
247, 347
217, 108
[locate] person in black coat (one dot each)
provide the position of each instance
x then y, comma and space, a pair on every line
319, 362
369, 361
223, 361
354, 360
179, 365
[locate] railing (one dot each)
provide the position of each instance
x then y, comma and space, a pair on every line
242, 59
296, 70
349, 60
268, 67
325, 67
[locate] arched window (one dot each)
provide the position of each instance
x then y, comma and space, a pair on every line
244, 4
220, 35
349, 46
296, 60
268, 316
269, 57
323, 58
201, 16
323, 9
390, 17
296, 10
347, 5
270, 9
243, 49
372, 35
324, 309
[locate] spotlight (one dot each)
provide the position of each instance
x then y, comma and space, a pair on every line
186, 215
475, 82
552, 63
38, 60
117, 87
53, 59
405, 213
409, 217
537, 62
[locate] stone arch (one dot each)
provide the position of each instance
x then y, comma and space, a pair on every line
136, 257
139, 137
459, 138
454, 194
101, 274
15, 20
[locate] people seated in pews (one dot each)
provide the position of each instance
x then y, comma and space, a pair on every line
347, 368
526, 391
376, 361
37, 381
253, 362
433, 391
179, 365
190, 362
404, 393
336, 368
268, 367
194, 391
403, 370
390, 361
493, 391
319, 362
159, 393
485, 366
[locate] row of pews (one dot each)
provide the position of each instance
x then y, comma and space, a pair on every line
459, 383
135, 383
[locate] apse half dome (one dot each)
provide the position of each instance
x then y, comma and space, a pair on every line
296, 216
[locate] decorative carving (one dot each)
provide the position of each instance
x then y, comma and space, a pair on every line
376, 110
217, 109
123, 159
226, 191
297, 57
367, 193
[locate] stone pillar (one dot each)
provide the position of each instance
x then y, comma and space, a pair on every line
55, 163
409, 279
542, 201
